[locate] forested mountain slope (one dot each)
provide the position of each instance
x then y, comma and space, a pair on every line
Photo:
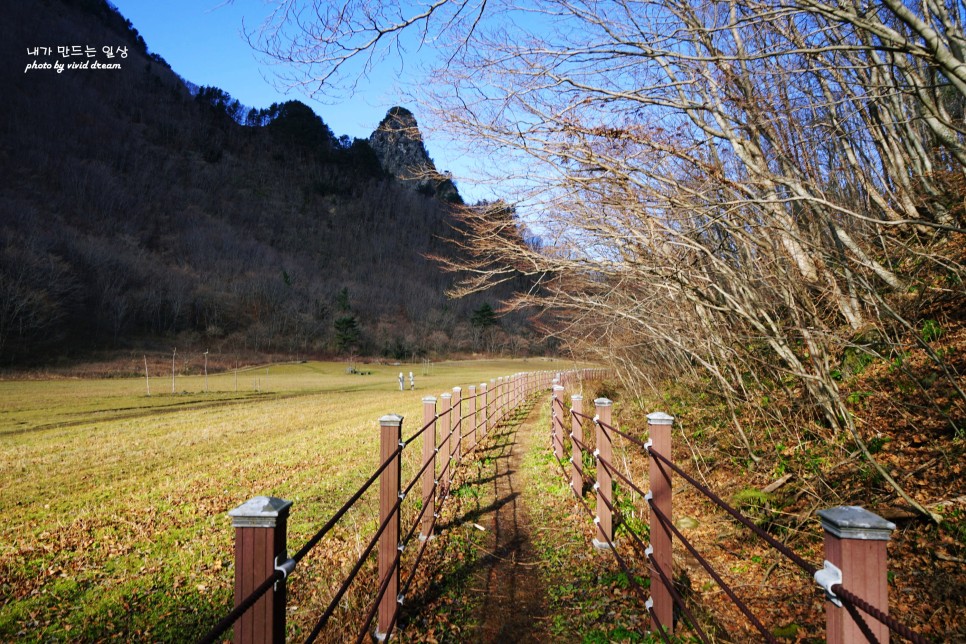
137, 208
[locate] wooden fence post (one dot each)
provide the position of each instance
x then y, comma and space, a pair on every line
511, 391
471, 414
485, 393
659, 430
605, 493
504, 402
445, 427
577, 433
508, 381
457, 451
855, 543
390, 434
260, 527
429, 476
557, 419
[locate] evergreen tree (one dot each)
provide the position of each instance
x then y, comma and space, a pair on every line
346, 332
484, 317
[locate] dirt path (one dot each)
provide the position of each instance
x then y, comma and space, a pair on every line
514, 608
488, 582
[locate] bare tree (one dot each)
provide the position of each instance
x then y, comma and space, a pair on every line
719, 188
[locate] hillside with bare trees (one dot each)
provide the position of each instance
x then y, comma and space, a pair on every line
764, 199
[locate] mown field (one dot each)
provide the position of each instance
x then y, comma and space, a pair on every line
114, 503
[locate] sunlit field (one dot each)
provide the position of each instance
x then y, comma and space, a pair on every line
114, 502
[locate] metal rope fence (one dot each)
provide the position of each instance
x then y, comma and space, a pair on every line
661, 470
470, 417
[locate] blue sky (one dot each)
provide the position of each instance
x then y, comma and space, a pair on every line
202, 40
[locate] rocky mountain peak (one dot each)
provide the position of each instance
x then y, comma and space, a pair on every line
398, 145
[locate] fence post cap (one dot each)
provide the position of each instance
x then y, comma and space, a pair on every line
472, 387
391, 419
446, 395
660, 418
854, 522
456, 390
558, 387
576, 397
429, 399
260, 512
603, 402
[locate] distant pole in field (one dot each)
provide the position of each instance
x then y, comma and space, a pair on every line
206, 370
147, 378
173, 354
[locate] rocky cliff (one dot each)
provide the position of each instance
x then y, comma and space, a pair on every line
398, 145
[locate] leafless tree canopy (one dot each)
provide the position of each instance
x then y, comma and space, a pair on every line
741, 190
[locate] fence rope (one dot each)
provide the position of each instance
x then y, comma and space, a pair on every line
860, 622
660, 460
623, 565
660, 626
668, 583
577, 494
620, 560
352, 574
229, 620
422, 429
777, 545
687, 544
711, 571
345, 507
848, 597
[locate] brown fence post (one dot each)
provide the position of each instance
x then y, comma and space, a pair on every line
855, 546
390, 434
504, 401
659, 430
457, 451
260, 527
577, 434
445, 427
508, 396
471, 415
485, 421
511, 391
605, 524
429, 476
557, 419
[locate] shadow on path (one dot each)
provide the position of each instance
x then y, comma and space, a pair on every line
495, 593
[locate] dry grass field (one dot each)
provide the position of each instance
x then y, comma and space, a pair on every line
114, 503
